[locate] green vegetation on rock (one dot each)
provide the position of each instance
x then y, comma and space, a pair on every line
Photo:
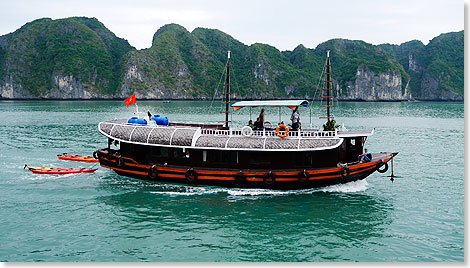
182, 64
79, 47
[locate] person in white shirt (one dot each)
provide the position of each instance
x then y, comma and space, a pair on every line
295, 118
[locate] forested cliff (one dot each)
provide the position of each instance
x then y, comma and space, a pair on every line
79, 58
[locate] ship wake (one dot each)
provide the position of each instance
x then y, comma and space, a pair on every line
185, 190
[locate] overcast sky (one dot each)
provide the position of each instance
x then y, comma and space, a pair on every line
283, 24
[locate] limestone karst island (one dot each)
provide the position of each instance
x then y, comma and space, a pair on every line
79, 58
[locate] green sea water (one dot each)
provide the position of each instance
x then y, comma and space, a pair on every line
106, 217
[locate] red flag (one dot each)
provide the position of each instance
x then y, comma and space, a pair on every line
130, 100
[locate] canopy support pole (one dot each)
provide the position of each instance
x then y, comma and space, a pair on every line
279, 114
310, 108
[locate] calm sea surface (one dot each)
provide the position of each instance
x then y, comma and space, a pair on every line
106, 217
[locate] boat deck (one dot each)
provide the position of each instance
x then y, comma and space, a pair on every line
212, 137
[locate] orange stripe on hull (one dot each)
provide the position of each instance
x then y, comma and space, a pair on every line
215, 178
363, 165
136, 165
207, 172
287, 179
125, 170
288, 173
362, 170
171, 169
252, 173
324, 177
127, 164
203, 174
129, 159
172, 176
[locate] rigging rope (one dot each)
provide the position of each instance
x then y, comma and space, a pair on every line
218, 84
236, 83
316, 90
319, 81
336, 103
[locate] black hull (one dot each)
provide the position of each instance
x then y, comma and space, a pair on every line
254, 185
263, 179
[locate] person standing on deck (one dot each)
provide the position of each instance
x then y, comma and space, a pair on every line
295, 118
261, 117
258, 125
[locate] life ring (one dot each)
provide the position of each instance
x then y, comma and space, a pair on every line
267, 124
247, 131
153, 172
95, 154
345, 172
381, 163
191, 175
239, 179
119, 161
269, 178
282, 135
303, 176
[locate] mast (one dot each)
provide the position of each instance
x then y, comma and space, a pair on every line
227, 90
328, 88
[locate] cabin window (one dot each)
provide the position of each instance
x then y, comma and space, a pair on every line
159, 152
140, 153
217, 156
353, 142
308, 159
204, 156
178, 153
303, 159
343, 146
259, 159
129, 149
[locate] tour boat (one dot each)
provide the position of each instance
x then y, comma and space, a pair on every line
222, 155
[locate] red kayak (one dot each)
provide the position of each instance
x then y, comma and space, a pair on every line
47, 170
80, 158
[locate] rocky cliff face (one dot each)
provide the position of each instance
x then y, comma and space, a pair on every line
431, 89
436, 69
63, 87
68, 87
369, 86
144, 78
177, 66
11, 88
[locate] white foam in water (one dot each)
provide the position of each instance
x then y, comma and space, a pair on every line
256, 192
351, 187
187, 190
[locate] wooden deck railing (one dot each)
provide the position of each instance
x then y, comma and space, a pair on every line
270, 133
